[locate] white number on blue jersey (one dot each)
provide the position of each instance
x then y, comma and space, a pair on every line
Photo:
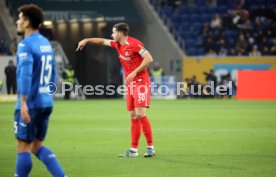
46, 66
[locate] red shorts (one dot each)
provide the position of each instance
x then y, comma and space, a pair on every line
138, 94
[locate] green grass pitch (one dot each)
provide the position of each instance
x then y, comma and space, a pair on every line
193, 138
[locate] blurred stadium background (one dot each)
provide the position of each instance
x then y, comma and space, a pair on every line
196, 41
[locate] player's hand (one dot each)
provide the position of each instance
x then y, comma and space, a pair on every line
130, 77
25, 112
81, 44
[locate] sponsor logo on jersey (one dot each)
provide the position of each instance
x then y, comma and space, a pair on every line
124, 58
45, 48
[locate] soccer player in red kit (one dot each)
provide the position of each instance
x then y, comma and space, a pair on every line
135, 59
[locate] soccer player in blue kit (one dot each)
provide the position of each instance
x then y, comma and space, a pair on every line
36, 69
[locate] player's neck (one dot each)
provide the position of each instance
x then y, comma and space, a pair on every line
124, 40
29, 32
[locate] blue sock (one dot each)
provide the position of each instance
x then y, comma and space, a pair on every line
23, 164
50, 161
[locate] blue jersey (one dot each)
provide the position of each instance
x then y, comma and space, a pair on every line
36, 68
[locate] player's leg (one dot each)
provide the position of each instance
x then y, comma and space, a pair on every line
135, 131
44, 154
24, 159
146, 126
135, 128
22, 133
48, 158
147, 131
141, 102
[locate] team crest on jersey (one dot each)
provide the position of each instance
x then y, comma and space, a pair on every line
23, 55
21, 44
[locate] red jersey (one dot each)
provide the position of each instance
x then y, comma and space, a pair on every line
130, 56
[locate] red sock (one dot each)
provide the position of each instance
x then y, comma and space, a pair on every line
146, 127
135, 132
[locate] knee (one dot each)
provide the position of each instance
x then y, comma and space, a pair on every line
138, 116
133, 116
23, 146
35, 147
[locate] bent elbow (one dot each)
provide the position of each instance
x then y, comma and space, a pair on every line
150, 59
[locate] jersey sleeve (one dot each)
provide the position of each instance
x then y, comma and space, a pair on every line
25, 60
110, 43
140, 49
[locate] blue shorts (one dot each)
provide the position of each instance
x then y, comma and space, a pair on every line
36, 129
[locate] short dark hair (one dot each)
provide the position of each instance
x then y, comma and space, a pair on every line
33, 13
122, 27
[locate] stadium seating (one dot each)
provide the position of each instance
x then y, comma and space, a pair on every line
186, 22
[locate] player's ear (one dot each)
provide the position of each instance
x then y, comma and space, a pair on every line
120, 34
27, 23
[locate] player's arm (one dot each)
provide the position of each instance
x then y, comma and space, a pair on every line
26, 67
24, 111
147, 59
98, 41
